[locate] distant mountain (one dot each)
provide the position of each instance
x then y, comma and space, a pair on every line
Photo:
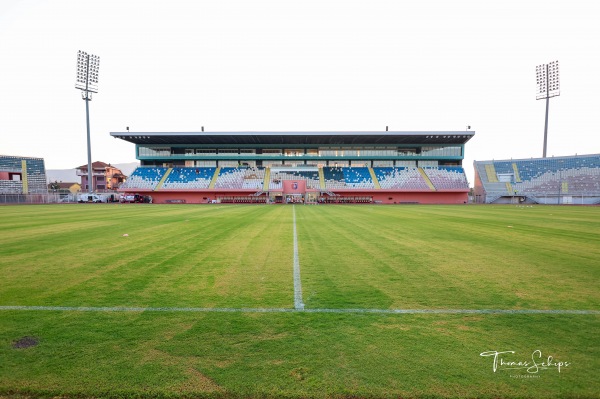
62, 175
127, 168
70, 175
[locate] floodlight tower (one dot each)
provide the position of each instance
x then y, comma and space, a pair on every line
548, 85
87, 82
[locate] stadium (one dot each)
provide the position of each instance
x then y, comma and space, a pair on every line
22, 180
245, 301
555, 180
312, 167
297, 249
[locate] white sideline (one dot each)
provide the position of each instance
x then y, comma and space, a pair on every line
298, 303
303, 310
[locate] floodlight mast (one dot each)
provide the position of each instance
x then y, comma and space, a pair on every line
87, 82
548, 86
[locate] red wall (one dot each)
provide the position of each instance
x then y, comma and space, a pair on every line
379, 196
196, 197
421, 197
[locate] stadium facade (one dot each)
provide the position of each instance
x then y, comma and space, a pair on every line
556, 180
22, 175
322, 167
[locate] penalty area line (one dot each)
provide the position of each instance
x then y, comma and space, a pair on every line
295, 310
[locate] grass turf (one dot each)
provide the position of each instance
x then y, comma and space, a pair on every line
377, 257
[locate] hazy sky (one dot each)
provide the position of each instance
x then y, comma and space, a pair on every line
280, 65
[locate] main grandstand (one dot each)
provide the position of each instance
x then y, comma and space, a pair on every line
556, 180
318, 167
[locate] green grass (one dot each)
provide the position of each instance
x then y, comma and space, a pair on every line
451, 257
180, 256
359, 257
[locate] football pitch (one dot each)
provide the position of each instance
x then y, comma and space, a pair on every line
127, 300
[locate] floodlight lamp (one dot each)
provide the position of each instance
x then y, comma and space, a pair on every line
547, 79
87, 72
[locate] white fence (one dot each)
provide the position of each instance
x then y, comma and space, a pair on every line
50, 198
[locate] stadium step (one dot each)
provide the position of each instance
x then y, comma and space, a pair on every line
24, 177
213, 181
162, 179
565, 187
491, 173
322, 179
426, 178
267, 179
374, 177
509, 188
516, 170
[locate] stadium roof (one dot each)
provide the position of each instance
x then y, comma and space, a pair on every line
296, 138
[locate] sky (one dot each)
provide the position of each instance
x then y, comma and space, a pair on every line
278, 65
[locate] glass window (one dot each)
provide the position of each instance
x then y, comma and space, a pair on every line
154, 151
432, 151
206, 151
378, 151
350, 153
206, 163
330, 152
271, 152
407, 151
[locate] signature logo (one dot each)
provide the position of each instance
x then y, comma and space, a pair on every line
536, 363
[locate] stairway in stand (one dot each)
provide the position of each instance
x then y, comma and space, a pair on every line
213, 181
163, 179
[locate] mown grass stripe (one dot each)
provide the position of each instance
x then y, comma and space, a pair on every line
298, 302
290, 310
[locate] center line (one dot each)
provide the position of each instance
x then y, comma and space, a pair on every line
300, 310
298, 303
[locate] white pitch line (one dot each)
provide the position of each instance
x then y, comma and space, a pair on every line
298, 303
126, 309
